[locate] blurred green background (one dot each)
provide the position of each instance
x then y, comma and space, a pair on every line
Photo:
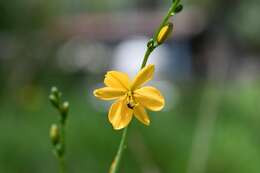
208, 70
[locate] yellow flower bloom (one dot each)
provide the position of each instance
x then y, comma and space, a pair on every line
131, 97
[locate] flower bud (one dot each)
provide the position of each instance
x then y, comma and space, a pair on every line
54, 101
64, 109
54, 90
150, 44
164, 33
178, 8
59, 149
54, 134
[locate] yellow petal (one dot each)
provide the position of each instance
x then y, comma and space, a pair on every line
119, 114
143, 76
117, 79
150, 98
141, 114
108, 93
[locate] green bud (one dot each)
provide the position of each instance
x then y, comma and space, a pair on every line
64, 109
178, 8
59, 150
54, 90
54, 101
150, 44
54, 134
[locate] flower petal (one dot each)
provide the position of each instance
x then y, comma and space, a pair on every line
143, 76
141, 114
117, 79
150, 98
119, 114
108, 93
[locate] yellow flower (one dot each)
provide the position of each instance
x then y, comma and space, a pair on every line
131, 97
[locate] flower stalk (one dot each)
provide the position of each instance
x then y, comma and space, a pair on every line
57, 132
175, 8
115, 164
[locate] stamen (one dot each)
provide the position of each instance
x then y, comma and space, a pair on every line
130, 101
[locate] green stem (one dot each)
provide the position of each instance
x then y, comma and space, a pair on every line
146, 56
62, 164
62, 146
115, 164
57, 133
169, 14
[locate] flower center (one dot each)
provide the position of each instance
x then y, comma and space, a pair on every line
130, 100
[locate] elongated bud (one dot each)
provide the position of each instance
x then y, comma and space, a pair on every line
64, 109
54, 90
164, 33
54, 134
54, 101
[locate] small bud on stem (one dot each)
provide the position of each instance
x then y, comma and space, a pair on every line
150, 44
164, 33
54, 134
54, 101
178, 8
57, 132
64, 109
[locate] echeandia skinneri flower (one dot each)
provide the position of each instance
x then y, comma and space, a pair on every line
131, 97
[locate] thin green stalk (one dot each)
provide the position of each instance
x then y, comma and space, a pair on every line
115, 164
57, 132
146, 56
62, 164
62, 147
166, 18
